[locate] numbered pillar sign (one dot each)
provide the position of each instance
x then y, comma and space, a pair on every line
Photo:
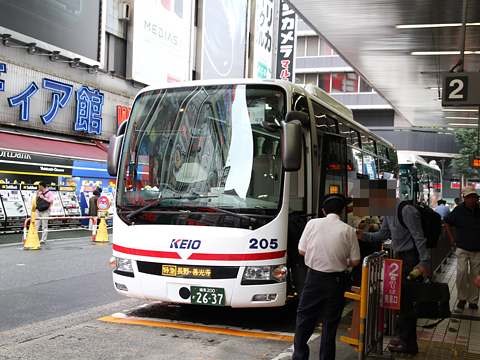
461, 89
392, 281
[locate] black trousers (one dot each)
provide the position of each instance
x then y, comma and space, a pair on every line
407, 324
322, 292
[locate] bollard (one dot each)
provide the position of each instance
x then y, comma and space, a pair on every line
102, 234
32, 242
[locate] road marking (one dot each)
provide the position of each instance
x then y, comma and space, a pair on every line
204, 328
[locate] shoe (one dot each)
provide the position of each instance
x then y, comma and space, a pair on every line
42, 241
473, 306
461, 304
395, 342
402, 349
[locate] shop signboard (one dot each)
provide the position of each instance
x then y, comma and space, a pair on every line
159, 31
263, 39
26, 92
17, 162
223, 46
286, 43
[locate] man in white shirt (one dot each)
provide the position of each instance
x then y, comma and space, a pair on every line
329, 246
442, 209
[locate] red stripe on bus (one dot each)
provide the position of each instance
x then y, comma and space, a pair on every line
150, 253
238, 257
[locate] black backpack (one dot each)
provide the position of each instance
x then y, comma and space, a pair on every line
431, 222
42, 204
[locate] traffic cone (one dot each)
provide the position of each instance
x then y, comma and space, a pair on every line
102, 234
32, 242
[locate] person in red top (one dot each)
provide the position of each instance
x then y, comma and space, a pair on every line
43, 193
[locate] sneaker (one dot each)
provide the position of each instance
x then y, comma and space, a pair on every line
473, 306
461, 304
42, 241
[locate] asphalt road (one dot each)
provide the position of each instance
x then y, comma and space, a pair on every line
62, 278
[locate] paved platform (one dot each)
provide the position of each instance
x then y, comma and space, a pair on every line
454, 338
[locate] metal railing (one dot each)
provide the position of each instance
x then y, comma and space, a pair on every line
367, 321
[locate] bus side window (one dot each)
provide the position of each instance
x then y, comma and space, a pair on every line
355, 137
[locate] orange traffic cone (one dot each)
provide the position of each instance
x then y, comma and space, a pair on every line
32, 242
102, 234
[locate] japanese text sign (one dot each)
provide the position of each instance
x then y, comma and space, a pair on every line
286, 43
392, 275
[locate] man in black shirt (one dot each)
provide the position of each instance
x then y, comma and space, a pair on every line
466, 219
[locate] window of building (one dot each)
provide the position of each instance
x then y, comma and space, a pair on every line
324, 82
350, 82
312, 45
337, 82
364, 87
311, 79
301, 46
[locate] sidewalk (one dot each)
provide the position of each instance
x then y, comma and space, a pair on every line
52, 235
454, 338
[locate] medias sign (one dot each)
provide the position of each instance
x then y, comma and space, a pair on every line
461, 89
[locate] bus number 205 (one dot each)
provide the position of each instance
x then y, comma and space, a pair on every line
263, 243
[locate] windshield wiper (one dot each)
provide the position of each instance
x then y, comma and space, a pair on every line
135, 213
220, 210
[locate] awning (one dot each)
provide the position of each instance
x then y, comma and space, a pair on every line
48, 147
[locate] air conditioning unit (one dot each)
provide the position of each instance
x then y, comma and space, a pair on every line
124, 12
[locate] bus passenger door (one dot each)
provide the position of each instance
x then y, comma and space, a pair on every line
332, 167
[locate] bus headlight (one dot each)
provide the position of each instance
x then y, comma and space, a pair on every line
123, 265
264, 274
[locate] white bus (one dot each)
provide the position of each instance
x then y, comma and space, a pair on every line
215, 181
419, 181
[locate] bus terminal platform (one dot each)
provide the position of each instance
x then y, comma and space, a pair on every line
455, 338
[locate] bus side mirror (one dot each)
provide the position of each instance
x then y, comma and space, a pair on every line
114, 149
291, 145
114, 154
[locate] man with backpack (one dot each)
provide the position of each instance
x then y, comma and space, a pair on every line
410, 245
43, 205
466, 219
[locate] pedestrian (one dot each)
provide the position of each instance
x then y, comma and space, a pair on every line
410, 246
442, 209
329, 246
457, 202
466, 219
93, 207
44, 194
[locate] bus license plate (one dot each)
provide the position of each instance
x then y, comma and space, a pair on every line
202, 295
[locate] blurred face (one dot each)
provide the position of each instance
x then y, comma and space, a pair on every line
470, 200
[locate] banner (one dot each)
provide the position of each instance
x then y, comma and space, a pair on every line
286, 43
392, 281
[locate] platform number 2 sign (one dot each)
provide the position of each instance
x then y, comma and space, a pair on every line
456, 88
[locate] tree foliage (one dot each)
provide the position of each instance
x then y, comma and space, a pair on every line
468, 139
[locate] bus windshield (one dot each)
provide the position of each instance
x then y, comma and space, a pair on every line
202, 149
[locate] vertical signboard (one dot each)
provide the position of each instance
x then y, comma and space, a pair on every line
224, 29
392, 274
286, 43
160, 41
264, 17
